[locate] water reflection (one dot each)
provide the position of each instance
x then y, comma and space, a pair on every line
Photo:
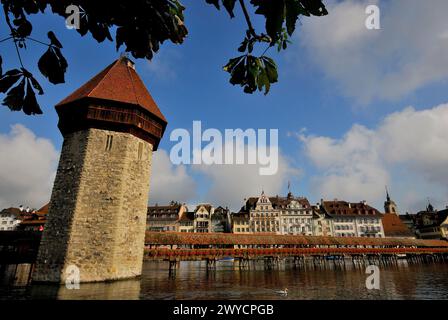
116, 290
192, 280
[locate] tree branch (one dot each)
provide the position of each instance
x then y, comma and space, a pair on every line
247, 17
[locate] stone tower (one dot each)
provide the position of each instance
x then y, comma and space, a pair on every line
97, 214
389, 205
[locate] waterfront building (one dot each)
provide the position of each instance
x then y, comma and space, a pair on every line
392, 224
186, 222
34, 220
296, 215
241, 222
432, 223
279, 215
322, 222
10, 218
408, 220
165, 218
220, 220
264, 215
202, 218
351, 219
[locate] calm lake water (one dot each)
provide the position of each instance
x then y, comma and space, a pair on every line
192, 280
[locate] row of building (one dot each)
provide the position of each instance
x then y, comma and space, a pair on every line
288, 215
296, 216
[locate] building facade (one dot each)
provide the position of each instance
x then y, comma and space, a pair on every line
202, 218
351, 219
241, 222
296, 215
322, 222
220, 220
186, 222
432, 223
264, 215
165, 218
10, 219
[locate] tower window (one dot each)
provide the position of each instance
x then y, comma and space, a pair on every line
140, 150
109, 142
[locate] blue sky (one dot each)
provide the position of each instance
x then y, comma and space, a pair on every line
323, 87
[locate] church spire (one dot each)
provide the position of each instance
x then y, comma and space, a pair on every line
389, 205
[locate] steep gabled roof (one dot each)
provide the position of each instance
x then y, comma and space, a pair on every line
119, 82
394, 227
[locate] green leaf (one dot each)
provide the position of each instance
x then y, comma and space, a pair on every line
243, 46
8, 79
271, 69
53, 40
274, 12
232, 63
214, 2
229, 5
30, 105
53, 65
14, 98
292, 9
263, 81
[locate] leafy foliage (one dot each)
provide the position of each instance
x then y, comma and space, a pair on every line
142, 26
281, 16
22, 96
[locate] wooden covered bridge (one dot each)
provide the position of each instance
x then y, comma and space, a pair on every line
176, 247
21, 247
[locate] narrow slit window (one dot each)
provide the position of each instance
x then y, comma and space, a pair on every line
140, 150
109, 142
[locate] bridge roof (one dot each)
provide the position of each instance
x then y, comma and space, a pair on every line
179, 238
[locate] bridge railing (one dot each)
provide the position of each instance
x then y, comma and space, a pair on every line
194, 254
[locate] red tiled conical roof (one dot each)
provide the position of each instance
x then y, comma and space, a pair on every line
119, 82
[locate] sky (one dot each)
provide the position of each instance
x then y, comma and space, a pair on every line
356, 109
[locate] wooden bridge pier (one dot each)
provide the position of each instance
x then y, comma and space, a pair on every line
174, 265
211, 263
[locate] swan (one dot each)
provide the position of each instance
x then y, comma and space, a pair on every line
283, 292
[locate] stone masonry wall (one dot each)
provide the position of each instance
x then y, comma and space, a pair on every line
97, 214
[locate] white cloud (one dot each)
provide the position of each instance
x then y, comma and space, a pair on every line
408, 53
169, 182
408, 150
228, 185
163, 64
27, 168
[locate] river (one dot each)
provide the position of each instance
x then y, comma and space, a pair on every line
193, 281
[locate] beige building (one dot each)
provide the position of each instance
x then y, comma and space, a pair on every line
296, 215
165, 218
186, 222
202, 218
264, 215
241, 223
353, 219
322, 222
